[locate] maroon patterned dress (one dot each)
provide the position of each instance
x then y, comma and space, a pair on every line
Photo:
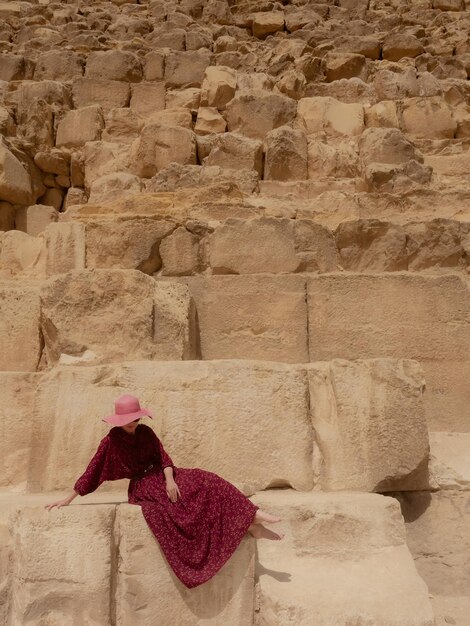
201, 530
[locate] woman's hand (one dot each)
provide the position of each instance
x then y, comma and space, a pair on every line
172, 490
59, 503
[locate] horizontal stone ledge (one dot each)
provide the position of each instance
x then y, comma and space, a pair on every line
293, 425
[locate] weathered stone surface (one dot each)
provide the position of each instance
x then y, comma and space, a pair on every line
267, 23
21, 254
227, 598
114, 185
108, 94
122, 125
114, 65
428, 118
65, 246
235, 151
286, 154
246, 247
251, 317
179, 252
450, 466
344, 65
332, 159
15, 182
79, 314
344, 560
147, 98
373, 436
141, 237
400, 315
186, 69
158, 146
34, 219
16, 394
255, 112
209, 121
78, 127
19, 329
327, 114
66, 554
183, 401
401, 45
102, 158
60, 65
218, 86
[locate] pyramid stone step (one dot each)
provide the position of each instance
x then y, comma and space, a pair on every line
299, 418
449, 460
344, 560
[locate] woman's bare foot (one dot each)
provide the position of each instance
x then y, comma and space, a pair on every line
261, 532
261, 516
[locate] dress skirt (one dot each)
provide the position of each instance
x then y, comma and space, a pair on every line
201, 530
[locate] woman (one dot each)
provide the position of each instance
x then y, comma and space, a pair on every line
197, 517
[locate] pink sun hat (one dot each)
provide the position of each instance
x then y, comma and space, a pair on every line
127, 409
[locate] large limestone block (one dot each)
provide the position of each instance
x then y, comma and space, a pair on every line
122, 125
336, 118
102, 158
399, 45
218, 86
21, 254
114, 65
16, 407
209, 121
108, 94
158, 146
19, 329
104, 243
34, 219
332, 159
109, 315
186, 69
78, 127
251, 317
428, 118
246, 421
450, 465
246, 246
60, 65
254, 112
386, 145
402, 316
343, 561
114, 186
147, 98
63, 563
234, 151
286, 154
438, 536
146, 586
267, 23
180, 254
15, 181
369, 425
65, 247
12, 67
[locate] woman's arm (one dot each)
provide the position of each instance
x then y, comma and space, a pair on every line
66, 501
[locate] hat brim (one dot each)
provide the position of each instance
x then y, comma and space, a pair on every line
122, 420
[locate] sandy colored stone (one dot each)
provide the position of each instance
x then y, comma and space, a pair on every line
104, 157
65, 245
315, 247
79, 313
449, 460
64, 554
183, 402
17, 391
332, 159
344, 560
234, 151
12, 67
113, 65
154, 65
177, 116
158, 146
344, 65
286, 154
251, 317
53, 162
336, 118
439, 539
401, 45
147, 98
386, 145
383, 114
122, 125
60, 65
78, 127
293, 84
267, 23
19, 329
428, 118
15, 182
21, 253
114, 185
187, 98
126, 243
435, 243
179, 252
227, 598
186, 69
209, 121
34, 219
369, 425
218, 86
108, 94
402, 315
246, 246
255, 112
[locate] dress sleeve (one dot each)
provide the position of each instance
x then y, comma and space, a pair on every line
95, 473
164, 456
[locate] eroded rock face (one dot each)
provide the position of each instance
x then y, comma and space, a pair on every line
82, 320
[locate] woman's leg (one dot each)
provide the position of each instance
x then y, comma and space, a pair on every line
261, 532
